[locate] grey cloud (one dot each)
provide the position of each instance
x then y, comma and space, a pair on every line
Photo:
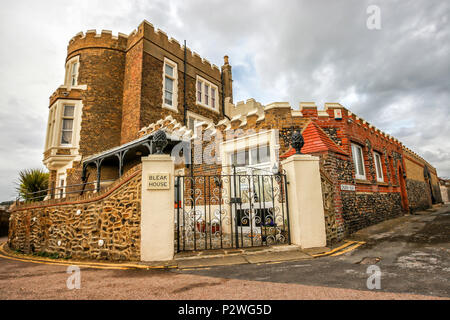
397, 78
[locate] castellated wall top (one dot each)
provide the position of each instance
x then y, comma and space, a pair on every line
122, 42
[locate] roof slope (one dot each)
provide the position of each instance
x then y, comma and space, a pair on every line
316, 140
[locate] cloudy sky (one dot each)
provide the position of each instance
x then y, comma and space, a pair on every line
397, 78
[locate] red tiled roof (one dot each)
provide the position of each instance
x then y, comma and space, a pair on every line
316, 140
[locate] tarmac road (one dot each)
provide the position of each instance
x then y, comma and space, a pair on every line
412, 252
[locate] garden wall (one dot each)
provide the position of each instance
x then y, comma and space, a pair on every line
99, 226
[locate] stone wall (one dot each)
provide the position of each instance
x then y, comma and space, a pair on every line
361, 210
104, 226
418, 195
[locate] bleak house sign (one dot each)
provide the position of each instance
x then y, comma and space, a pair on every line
158, 181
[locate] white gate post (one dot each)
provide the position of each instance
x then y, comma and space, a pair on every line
306, 214
157, 208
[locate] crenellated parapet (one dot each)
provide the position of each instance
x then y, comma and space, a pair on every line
92, 39
147, 31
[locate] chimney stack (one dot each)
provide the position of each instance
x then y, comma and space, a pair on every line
227, 79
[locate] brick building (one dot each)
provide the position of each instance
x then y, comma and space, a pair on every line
115, 85
119, 91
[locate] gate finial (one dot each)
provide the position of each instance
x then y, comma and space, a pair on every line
297, 141
160, 141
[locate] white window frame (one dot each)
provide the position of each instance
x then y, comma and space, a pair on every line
357, 148
174, 106
377, 158
55, 121
63, 117
72, 74
206, 97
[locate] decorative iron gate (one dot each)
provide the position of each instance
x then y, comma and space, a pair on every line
231, 211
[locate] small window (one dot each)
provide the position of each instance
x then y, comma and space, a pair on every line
358, 161
74, 74
71, 77
378, 166
67, 125
170, 84
199, 91
207, 94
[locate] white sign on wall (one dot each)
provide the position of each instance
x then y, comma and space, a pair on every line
348, 187
338, 114
158, 181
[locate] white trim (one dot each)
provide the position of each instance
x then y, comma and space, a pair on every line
174, 78
210, 86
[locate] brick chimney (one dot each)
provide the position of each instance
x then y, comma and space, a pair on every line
227, 79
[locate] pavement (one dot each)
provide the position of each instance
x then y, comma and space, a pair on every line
198, 259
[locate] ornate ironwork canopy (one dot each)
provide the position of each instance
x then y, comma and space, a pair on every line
155, 142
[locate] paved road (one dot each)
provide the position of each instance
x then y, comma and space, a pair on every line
412, 252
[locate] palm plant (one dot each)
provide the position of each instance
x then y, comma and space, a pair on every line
32, 184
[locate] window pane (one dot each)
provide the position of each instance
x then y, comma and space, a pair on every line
168, 98
213, 97
68, 111
254, 156
191, 123
263, 154
240, 158
360, 161
67, 124
74, 68
206, 94
66, 137
169, 84
199, 91
169, 70
378, 164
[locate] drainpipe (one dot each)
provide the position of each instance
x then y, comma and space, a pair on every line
184, 86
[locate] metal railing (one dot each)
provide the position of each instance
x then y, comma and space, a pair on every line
61, 192
230, 211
